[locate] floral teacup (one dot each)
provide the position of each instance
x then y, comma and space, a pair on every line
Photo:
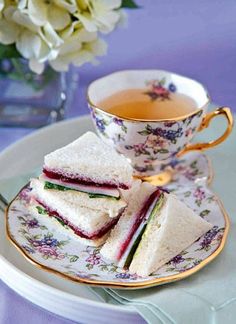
152, 145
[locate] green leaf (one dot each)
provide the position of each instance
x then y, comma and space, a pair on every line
73, 258
145, 132
149, 128
37, 237
41, 210
124, 128
8, 51
93, 195
163, 151
53, 186
89, 266
162, 81
130, 4
187, 194
60, 220
21, 218
204, 212
193, 164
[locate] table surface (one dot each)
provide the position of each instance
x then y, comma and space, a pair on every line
196, 39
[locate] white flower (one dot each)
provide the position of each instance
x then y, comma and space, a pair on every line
99, 15
60, 32
43, 12
1, 5
80, 47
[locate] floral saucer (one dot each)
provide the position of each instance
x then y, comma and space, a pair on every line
42, 244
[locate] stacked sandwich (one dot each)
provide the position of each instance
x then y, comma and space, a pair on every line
88, 188
154, 228
80, 187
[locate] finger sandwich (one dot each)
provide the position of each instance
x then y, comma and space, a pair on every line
81, 187
154, 228
89, 225
88, 165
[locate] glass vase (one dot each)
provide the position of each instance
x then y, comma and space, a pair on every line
28, 99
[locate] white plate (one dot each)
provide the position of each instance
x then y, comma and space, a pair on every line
55, 294
40, 241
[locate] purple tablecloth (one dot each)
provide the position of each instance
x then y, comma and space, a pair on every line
194, 38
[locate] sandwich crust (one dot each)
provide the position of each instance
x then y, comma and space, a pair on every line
89, 157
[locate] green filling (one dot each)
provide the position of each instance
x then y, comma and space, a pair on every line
92, 195
134, 248
49, 185
42, 211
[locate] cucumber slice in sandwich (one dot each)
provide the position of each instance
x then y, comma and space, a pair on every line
135, 243
168, 228
52, 186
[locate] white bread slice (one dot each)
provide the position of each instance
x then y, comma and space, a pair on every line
90, 157
110, 206
170, 232
136, 196
86, 219
68, 231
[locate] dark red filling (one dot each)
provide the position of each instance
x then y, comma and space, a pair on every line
139, 218
83, 181
95, 235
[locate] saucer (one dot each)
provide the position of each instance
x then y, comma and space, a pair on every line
39, 240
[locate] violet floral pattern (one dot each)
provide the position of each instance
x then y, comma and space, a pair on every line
40, 238
149, 145
159, 90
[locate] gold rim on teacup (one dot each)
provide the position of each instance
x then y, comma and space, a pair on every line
158, 171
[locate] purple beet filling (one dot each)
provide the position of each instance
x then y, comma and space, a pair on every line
82, 180
139, 218
92, 236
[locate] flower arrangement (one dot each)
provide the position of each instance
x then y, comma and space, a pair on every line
59, 32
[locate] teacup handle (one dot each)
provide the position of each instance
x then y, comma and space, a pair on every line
225, 111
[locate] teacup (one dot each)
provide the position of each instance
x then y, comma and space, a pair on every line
151, 145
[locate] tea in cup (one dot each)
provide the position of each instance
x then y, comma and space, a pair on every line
151, 116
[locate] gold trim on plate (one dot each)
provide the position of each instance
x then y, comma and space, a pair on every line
131, 285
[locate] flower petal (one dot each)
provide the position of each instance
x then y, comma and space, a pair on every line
23, 41
37, 11
87, 21
59, 18
107, 21
70, 5
59, 65
67, 32
36, 66
8, 32
82, 4
22, 4
22, 19
1, 5
50, 36
111, 4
